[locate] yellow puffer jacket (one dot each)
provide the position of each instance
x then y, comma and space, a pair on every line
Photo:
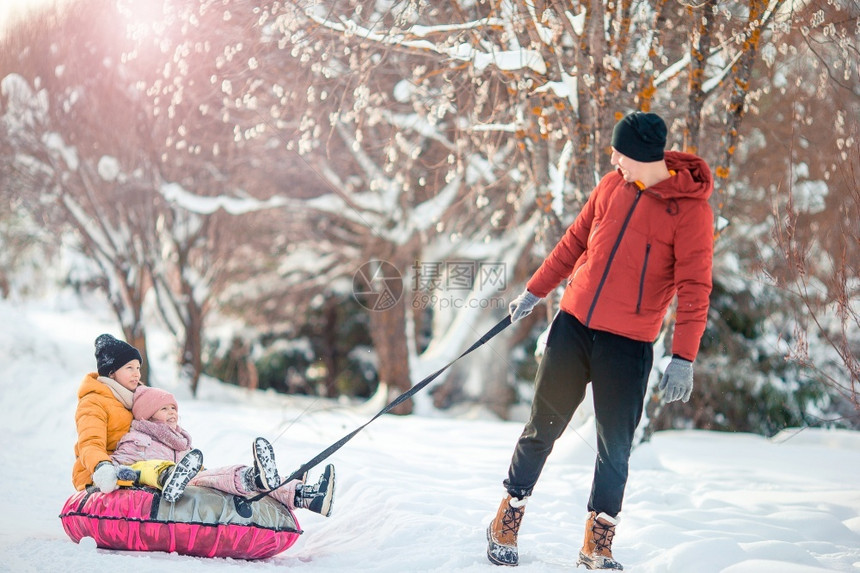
101, 420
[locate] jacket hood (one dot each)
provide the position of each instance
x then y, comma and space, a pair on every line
693, 179
92, 385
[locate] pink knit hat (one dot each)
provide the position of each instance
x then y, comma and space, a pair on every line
148, 401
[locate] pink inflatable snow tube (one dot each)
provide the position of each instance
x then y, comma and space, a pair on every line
204, 523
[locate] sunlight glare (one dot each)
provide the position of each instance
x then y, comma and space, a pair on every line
14, 12
143, 17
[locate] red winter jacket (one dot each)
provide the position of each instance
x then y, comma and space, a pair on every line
629, 252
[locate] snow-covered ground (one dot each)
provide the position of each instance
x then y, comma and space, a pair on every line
416, 493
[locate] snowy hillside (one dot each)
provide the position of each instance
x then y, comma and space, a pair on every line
416, 493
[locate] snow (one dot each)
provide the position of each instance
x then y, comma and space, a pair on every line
810, 196
577, 21
566, 88
109, 168
174, 192
506, 60
25, 106
416, 493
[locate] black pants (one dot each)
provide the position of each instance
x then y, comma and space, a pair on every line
618, 369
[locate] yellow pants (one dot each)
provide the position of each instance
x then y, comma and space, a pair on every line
150, 470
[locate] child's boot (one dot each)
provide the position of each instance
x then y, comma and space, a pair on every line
265, 471
151, 473
318, 498
174, 479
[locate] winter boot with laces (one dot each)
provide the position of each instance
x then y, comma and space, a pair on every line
596, 552
174, 479
318, 498
502, 531
265, 471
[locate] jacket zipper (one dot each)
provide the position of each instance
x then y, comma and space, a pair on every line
612, 256
642, 278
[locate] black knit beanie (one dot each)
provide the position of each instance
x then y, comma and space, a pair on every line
640, 136
112, 354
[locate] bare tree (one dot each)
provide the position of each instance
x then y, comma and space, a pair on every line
812, 254
99, 158
60, 154
823, 280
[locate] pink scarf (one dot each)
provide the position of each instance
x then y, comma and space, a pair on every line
178, 440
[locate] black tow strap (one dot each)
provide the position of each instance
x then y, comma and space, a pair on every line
503, 324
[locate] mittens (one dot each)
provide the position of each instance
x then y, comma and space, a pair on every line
104, 477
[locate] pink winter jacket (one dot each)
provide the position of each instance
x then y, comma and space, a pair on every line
151, 441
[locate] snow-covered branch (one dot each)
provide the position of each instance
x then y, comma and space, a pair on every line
507, 60
206, 205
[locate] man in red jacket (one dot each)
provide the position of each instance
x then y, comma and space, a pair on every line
643, 237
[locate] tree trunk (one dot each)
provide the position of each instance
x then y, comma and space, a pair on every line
700, 48
499, 390
388, 332
192, 355
330, 355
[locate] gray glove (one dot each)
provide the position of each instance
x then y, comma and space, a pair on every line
104, 477
522, 306
677, 381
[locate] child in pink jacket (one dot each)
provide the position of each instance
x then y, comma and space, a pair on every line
156, 442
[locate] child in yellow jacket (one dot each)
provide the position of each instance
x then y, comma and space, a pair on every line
103, 415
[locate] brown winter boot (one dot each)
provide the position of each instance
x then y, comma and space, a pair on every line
596, 552
502, 531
